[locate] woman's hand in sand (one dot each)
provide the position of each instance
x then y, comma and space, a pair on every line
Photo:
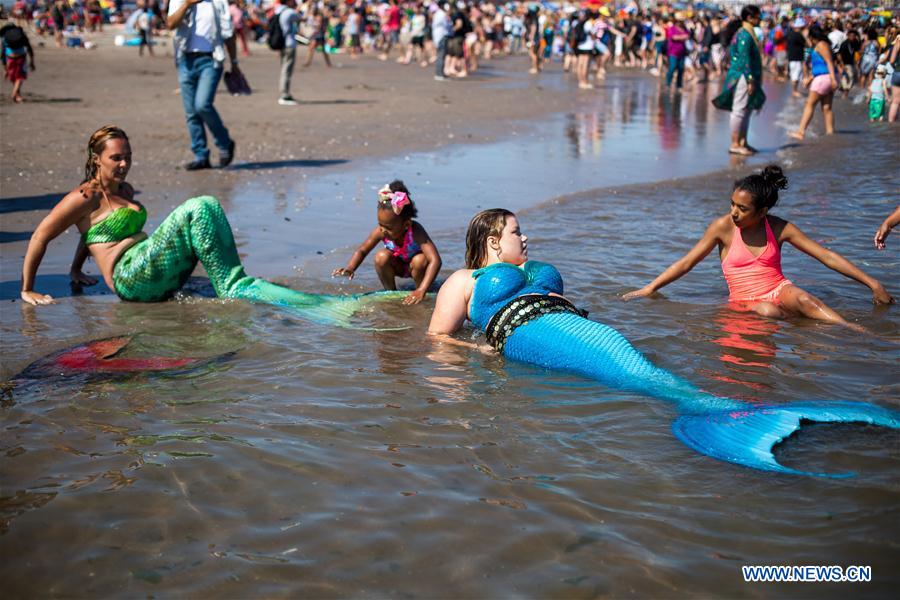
34, 298
880, 295
78, 277
641, 293
348, 273
414, 297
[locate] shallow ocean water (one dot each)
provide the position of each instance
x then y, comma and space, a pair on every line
329, 462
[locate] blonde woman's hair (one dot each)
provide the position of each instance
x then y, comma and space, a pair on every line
487, 223
95, 147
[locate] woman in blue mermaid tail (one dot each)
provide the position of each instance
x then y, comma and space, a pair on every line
519, 304
142, 268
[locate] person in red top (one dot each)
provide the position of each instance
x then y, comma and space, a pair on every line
780, 39
391, 28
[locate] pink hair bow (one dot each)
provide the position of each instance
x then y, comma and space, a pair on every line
398, 201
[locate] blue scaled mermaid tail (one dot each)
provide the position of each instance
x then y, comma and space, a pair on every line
723, 428
198, 231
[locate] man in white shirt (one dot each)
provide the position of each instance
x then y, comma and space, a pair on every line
203, 31
288, 19
440, 33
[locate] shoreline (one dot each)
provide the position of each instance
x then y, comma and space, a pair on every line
313, 205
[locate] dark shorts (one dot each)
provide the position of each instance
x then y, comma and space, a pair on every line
354, 40
455, 47
418, 41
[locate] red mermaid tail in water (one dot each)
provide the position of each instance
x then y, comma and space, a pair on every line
98, 357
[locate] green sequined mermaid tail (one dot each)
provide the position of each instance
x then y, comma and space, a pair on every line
154, 269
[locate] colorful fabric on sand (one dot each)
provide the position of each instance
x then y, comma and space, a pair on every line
723, 428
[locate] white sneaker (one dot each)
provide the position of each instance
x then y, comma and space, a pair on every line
288, 101
439, 78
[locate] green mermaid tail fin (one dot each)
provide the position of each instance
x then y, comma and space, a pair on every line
325, 309
198, 230
340, 310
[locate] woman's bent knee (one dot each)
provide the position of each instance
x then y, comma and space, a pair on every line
203, 204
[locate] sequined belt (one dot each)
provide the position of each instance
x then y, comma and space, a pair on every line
521, 310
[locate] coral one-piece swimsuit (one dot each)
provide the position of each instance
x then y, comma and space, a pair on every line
754, 278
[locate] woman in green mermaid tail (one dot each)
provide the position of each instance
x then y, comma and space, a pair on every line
143, 268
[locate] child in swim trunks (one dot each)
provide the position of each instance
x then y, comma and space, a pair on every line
877, 92
407, 251
749, 241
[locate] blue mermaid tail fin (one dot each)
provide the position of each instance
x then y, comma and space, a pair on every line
747, 436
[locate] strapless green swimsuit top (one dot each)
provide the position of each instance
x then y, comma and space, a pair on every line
118, 225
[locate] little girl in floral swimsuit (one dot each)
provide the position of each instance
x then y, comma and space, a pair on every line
407, 251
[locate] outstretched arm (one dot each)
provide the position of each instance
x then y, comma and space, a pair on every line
885, 229
360, 255
68, 212
835, 261
682, 266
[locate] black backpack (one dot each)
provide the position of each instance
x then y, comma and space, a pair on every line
581, 33
275, 33
14, 37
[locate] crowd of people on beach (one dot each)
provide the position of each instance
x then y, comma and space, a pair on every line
825, 51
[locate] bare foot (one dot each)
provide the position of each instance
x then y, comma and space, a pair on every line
796, 135
740, 150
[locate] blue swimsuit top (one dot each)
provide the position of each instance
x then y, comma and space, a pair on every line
496, 285
817, 64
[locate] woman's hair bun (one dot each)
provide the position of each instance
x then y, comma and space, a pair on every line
774, 176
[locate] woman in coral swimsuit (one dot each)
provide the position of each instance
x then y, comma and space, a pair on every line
749, 241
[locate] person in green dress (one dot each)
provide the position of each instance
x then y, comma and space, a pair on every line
743, 83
